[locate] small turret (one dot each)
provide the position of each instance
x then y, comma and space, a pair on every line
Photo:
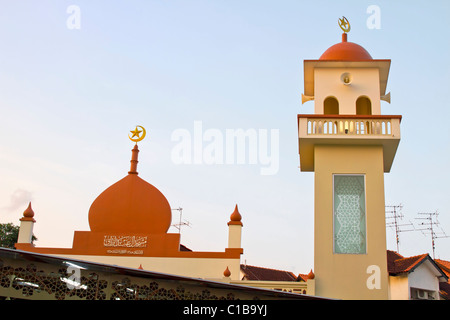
26, 226
235, 229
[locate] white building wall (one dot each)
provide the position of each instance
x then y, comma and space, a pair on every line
205, 268
424, 277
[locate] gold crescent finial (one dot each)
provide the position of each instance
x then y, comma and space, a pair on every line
344, 24
137, 133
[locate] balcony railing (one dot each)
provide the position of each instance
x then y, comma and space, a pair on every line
333, 125
370, 130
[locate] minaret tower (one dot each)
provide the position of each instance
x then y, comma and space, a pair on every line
349, 146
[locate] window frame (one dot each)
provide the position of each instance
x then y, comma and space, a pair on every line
365, 212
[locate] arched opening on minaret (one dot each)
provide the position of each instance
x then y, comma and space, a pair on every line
363, 106
330, 106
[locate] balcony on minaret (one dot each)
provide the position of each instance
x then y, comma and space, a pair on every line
324, 129
347, 86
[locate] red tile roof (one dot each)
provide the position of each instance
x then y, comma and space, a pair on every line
306, 277
399, 264
444, 290
266, 274
302, 277
444, 287
444, 265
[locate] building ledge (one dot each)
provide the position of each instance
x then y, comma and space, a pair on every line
369, 130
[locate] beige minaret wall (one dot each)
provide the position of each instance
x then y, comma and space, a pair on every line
345, 276
365, 82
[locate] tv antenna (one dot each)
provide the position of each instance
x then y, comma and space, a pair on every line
181, 222
431, 222
395, 214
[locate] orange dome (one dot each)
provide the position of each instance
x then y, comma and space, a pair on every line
235, 217
346, 51
131, 205
227, 272
28, 214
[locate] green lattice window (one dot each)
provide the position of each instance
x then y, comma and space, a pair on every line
349, 217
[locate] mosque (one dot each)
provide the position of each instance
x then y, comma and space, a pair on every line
347, 143
129, 224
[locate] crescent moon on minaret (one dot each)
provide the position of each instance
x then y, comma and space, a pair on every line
137, 133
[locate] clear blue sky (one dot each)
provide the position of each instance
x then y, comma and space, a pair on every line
68, 98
